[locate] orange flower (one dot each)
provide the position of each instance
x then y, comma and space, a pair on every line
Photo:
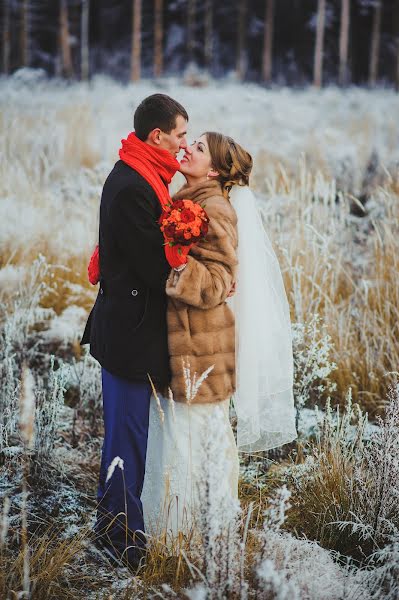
184, 222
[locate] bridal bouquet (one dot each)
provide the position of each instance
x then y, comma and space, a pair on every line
183, 222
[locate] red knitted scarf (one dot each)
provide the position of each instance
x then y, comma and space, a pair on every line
156, 165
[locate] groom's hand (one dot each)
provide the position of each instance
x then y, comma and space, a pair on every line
232, 291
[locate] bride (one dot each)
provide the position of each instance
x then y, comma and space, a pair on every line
229, 337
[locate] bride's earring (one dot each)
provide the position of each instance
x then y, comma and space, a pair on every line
212, 174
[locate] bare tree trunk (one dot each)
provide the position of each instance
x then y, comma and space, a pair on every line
344, 42
268, 41
135, 69
241, 39
25, 58
319, 47
84, 42
191, 11
375, 44
396, 34
6, 37
66, 56
158, 38
208, 51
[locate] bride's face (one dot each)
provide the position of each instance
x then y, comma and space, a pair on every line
196, 162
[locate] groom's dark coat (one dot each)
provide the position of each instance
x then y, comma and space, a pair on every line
127, 328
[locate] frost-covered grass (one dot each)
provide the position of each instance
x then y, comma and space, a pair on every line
326, 175
316, 155
231, 556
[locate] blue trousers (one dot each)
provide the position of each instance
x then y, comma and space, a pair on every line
126, 407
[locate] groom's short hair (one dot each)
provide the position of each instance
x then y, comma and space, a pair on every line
158, 110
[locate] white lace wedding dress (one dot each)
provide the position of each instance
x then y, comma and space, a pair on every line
175, 455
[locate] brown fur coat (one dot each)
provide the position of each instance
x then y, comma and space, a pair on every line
201, 328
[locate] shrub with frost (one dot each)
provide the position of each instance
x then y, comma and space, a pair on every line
47, 398
20, 315
375, 518
49, 401
383, 579
323, 487
312, 348
289, 568
346, 495
86, 374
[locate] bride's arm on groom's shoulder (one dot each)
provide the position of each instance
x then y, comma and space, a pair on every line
208, 277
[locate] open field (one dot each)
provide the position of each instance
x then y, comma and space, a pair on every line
327, 179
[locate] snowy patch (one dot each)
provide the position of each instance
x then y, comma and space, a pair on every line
68, 326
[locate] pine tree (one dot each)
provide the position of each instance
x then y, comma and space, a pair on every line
158, 38
268, 41
65, 46
396, 35
319, 47
84, 41
344, 42
6, 37
25, 58
208, 50
191, 13
241, 38
375, 43
135, 72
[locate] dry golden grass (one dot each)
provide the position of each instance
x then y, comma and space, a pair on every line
349, 279
170, 563
67, 283
322, 500
350, 283
322, 260
323, 491
51, 565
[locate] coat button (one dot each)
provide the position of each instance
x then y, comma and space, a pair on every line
134, 292
101, 291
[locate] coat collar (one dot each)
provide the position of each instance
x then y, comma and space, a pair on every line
199, 191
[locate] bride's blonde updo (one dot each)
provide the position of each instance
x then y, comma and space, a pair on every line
229, 159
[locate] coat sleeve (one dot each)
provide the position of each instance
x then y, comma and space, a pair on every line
137, 233
208, 277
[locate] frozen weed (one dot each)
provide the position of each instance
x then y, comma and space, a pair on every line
313, 365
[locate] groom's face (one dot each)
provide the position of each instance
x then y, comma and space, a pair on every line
176, 140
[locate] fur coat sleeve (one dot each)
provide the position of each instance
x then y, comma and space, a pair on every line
211, 266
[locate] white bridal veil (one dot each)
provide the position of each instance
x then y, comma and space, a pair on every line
264, 400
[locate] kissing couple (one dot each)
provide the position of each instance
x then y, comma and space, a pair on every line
181, 329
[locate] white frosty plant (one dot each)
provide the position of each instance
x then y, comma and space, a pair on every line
313, 366
18, 316
376, 482
193, 382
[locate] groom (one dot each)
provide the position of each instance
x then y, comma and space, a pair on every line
127, 328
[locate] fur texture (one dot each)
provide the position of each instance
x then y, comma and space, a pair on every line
200, 323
